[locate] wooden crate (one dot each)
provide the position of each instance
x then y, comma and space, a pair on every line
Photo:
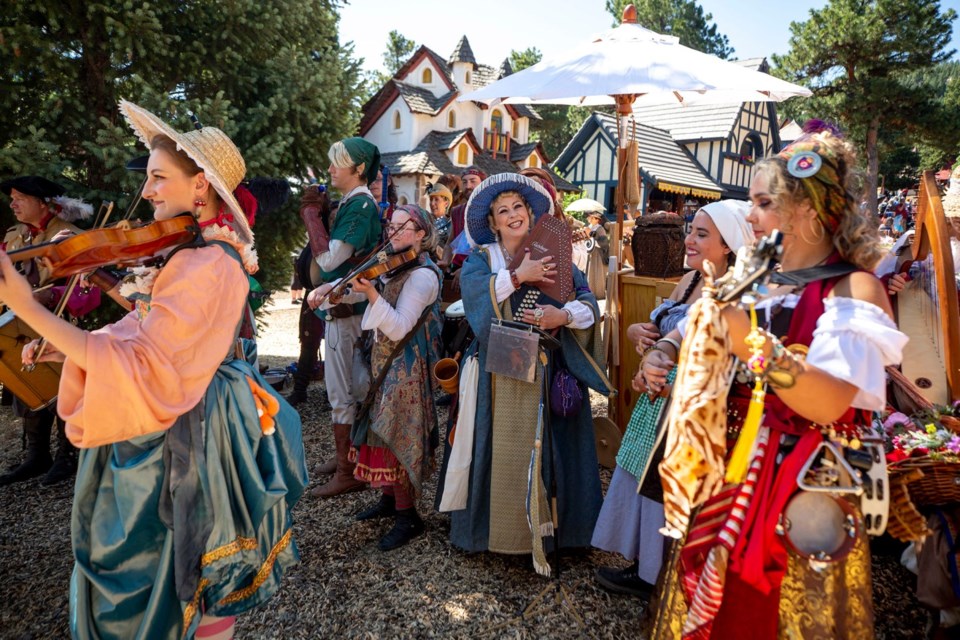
639, 296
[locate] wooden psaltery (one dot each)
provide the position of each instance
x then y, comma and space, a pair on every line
551, 237
927, 308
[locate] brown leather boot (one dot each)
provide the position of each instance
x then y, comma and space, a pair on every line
342, 480
326, 468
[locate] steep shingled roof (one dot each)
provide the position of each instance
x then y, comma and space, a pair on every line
462, 53
422, 100
692, 122
660, 157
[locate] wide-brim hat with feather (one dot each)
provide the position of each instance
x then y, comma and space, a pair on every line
67, 209
478, 206
209, 147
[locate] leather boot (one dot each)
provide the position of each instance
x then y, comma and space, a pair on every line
65, 463
36, 430
407, 526
386, 507
342, 480
326, 468
625, 581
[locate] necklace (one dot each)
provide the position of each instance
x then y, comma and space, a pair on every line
506, 256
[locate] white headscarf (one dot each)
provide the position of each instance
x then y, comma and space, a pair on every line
730, 216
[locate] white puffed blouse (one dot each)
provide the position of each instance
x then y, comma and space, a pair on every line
854, 341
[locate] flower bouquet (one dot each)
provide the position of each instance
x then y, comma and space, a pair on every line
923, 457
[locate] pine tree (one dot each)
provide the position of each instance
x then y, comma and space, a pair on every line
398, 50
272, 75
856, 56
684, 19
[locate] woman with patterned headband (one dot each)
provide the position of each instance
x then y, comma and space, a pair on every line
823, 339
395, 431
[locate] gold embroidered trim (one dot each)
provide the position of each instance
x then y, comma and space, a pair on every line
263, 573
191, 609
238, 545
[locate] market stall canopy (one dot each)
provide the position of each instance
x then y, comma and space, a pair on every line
632, 60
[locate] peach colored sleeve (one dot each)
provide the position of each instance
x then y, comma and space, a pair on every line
141, 376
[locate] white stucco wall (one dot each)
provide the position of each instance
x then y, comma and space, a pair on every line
437, 86
383, 134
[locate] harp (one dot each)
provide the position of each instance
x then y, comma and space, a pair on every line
927, 308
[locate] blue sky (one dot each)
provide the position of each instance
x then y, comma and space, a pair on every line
494, 27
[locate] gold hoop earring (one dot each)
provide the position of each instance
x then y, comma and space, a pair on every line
820, 234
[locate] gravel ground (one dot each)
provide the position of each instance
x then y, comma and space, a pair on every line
344, 586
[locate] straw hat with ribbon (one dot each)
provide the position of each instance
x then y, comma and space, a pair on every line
210, 148
478, 206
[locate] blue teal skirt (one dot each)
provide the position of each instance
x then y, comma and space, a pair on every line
145, 569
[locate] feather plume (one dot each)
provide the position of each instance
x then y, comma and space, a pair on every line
71, 209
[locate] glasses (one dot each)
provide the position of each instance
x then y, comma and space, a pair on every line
396, 228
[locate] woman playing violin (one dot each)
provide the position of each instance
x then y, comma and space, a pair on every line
395, 433
182, 497
499, 217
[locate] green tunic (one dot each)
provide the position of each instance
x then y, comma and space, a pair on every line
357, 224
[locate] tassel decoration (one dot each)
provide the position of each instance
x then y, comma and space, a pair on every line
757, 364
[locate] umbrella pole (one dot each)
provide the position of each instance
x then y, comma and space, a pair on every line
613, 306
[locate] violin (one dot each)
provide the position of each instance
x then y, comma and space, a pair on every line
121, 245
381, 263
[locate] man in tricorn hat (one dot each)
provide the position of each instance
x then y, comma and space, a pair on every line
42, 212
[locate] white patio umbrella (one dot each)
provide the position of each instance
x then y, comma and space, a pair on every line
585, 205
624, 66
635, 65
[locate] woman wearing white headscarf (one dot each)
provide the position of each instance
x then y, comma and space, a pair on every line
629, 520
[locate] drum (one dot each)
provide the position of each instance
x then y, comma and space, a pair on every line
820, 527
38, 388
456, 334
455, 310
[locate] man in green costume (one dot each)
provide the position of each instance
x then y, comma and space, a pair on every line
354, 164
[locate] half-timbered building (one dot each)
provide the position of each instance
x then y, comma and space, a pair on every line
717, 142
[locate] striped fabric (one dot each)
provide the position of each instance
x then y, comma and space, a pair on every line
713, 535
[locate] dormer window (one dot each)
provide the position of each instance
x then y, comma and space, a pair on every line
534, 161
396, 120
463, 158
516, 129
427, 76
452, 119
467, 79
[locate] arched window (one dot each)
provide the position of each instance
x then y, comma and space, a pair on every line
496, 121
516, 129
534, 160
396, 120
462, 157
427, 76
751, 149
468, 77
452, 119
